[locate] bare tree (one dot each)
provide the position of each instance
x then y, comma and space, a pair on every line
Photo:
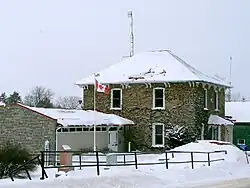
39, 97
69, 102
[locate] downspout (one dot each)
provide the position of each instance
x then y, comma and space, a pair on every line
57, 128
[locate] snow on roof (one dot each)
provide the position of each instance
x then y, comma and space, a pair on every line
239, 111
68, 117
154, 66
2, 103
217, 120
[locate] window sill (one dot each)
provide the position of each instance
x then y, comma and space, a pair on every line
157, 146
115, 108
158, 108
217, 110
206, 109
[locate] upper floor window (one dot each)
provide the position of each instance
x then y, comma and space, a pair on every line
116, 99
205, 99
158, 135
159, 98
216, 100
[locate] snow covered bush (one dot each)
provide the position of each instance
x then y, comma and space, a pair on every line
12, 156
177, 136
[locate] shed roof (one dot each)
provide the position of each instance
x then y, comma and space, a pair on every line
68, 117
217, 120
239, 111
154, 66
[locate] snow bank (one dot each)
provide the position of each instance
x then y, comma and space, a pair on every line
233, 155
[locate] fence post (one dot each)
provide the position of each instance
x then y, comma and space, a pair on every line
136, 167
97, 164
247, 157
172, 154
192, 160
28, 174
208, 158
166, 154
39, 161
42, 165
80, 160
124, 159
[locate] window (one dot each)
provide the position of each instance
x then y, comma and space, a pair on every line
241, 141
79, 129
216, 100
116, 99
159, 98
158, 135
205, 99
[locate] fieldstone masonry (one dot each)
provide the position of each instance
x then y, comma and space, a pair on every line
30, 129
184, 107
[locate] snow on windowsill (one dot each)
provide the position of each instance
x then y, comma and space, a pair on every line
158, 108
157, 146
115, 108
205, 108
217, 110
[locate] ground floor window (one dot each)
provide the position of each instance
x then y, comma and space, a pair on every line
241, 141
158, 135
82, 129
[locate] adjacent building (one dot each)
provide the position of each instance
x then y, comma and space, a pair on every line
159, 90
239, 112
32, 127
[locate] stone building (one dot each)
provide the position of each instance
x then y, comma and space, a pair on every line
158, 90
19, 124
32, 127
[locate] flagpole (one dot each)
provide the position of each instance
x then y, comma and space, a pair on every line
94, 112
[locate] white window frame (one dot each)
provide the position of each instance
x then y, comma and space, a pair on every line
239, 143
205, 99
216, 100
159, 108
153, 135
111, 102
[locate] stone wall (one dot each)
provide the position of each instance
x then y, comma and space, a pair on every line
30, 129
184, 107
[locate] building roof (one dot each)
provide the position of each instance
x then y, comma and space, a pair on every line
2, 103
217, 120
68, 117
239, 111
155, 66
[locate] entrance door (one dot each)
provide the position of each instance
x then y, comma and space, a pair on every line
113, 141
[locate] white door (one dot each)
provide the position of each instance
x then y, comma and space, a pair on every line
113, 141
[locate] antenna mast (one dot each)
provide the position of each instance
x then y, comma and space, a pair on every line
230, 79
132, 48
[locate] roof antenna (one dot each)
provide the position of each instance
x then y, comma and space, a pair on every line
132, 44
132, 47
230, 79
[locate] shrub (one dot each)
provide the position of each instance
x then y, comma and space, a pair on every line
178, 136
13, 156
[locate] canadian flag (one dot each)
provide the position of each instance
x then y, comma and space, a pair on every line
101, 88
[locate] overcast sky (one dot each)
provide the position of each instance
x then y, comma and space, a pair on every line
53, 43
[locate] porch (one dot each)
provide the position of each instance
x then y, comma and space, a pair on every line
221, 129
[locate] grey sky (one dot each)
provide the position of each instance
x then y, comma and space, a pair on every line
56, 42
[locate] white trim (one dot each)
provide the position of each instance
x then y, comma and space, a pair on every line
216, 100
219, 133
111, 99
153, 135
159, 108
205, 99
239, 143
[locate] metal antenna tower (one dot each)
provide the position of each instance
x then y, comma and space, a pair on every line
230, 79
132, 47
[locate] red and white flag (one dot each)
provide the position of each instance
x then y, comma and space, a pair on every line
101, 88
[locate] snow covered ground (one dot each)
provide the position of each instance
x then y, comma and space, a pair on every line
178, 175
